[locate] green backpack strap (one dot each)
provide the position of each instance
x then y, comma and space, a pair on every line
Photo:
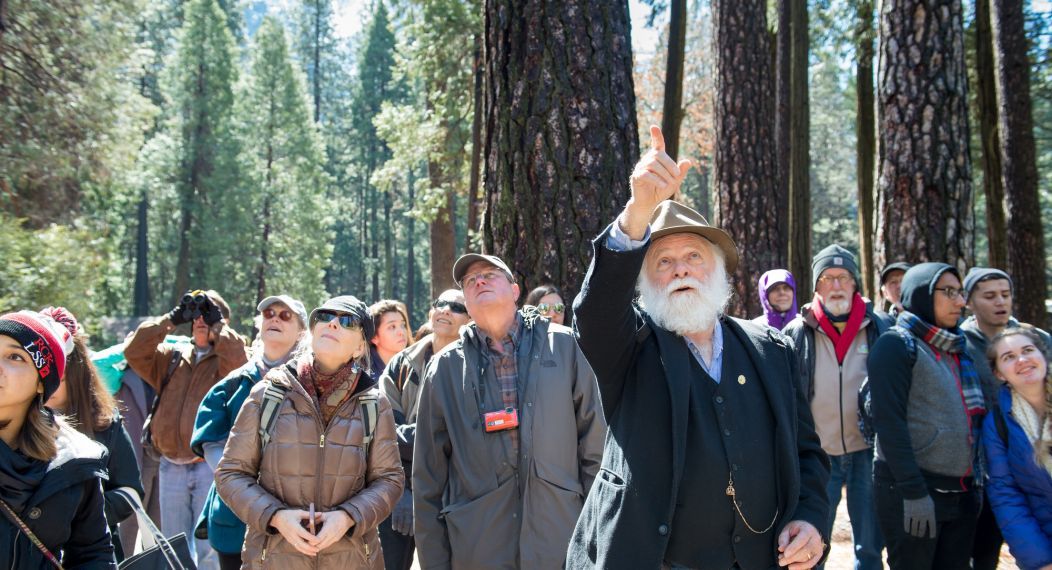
370, 413
273, 396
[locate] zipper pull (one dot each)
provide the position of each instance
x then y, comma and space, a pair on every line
264, 557
366, 549
321, 442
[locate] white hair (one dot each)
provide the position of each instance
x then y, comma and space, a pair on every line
688, 312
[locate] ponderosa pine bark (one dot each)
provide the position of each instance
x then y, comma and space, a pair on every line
746, 168
799, 151
560, 135
1026, 244
986, 95
865, 151
924, 200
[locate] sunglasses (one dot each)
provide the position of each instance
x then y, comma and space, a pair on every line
556, 307
346, 321
454, 306
284, 314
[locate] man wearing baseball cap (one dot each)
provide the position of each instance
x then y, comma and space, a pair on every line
509, 433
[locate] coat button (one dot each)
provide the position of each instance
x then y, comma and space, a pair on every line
727, 432
34, 513
738, 538
663, 530
719, 399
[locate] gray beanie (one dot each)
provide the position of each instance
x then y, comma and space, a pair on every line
832, 257
977, 275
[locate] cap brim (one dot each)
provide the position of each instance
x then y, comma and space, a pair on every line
718, 237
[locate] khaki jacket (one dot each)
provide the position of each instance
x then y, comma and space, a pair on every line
307, 462
149, 356
477, 505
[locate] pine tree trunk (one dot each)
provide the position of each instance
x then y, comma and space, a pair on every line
1026, 244
986, 95
672, 106
443, 239
388, 249
182, 260
476, 147
782, 113
560, 133
264, 251
316, 84
924, 200
799, 152
746, 207
410, 249
142, 252
865, 151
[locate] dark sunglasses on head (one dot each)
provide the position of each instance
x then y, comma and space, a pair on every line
284, 314
346, 321
454, 306
557, 307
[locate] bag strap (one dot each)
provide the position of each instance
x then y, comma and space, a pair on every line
176, 356
11, 516
273, 396
152, 536
370, 413
908, 340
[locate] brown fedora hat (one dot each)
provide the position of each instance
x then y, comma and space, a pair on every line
671, 217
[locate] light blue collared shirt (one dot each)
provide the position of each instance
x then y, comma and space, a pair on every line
617, 240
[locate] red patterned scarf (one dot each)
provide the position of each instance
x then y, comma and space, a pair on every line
841, 340
328, 390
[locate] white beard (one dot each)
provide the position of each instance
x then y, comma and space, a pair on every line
837, 307
686, 312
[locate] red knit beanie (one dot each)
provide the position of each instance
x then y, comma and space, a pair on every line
47, 342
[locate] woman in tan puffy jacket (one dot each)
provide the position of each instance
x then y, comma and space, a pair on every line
316, 455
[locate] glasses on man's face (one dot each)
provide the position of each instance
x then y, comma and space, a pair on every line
284, 314
951, 292
471, 280
842, 280
553, 307
454, 306
346, 321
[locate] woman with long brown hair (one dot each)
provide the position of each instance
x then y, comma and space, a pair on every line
51, 497
83, 399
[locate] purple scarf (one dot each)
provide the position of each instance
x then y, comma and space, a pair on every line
770, 279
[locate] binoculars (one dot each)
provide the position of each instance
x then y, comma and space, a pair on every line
194, 304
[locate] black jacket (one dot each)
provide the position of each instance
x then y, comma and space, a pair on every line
643, 373
123, 472
65, 512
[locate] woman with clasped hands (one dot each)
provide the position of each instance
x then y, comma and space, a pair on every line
317, 457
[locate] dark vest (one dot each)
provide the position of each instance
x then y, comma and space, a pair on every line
730, 429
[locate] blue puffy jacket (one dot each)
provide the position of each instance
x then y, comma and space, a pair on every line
215, 417
1020, 491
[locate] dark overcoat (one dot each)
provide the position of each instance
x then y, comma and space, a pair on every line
644, 373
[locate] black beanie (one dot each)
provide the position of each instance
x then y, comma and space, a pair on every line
834, 256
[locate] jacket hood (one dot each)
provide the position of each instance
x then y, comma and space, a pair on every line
78, 459
918, 288
768, 280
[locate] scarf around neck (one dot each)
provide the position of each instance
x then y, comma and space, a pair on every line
1038, 432
19, 477
952, 342
329, 390
841, 340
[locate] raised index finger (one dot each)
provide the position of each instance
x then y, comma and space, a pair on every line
657, 140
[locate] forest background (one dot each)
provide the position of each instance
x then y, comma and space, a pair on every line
318, 147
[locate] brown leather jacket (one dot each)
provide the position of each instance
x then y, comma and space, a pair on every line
300, 466
149, 356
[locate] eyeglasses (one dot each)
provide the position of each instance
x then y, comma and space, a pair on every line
454, 306
471, 280
346, 321
556, 307
285, 314
841, 280
951, 292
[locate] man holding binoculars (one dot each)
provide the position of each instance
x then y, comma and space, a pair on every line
182, 376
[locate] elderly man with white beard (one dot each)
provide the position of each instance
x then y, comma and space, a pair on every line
711, 459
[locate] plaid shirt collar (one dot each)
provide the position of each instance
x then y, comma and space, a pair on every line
513, 335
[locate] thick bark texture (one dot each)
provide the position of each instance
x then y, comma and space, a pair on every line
865, 151
1026, 244
672, 104
799, 152
142, 251
924, 201
782, 111
443, 238
986, 95
560, 133
476, 148
746, 168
